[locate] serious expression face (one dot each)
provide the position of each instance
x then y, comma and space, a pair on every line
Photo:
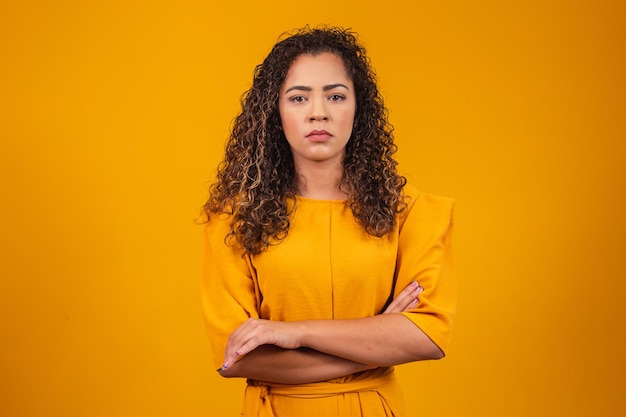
317, 104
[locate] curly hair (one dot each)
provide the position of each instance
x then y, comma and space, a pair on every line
257, 178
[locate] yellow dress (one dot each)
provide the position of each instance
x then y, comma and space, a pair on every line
328, 267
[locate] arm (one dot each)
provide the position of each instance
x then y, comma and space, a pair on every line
403, 341
384, 340
272, 363
328, 345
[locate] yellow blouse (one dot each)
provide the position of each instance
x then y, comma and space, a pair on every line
328, 267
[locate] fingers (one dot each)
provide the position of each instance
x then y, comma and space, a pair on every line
241, 341
256, 332
406, 300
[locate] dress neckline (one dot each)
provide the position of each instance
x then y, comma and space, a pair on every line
319, 201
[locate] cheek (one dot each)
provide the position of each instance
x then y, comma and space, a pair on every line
289, 124
286, 114
347, 118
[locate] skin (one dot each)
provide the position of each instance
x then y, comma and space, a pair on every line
318, 96
269, 362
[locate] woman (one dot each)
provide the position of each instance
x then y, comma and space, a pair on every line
324, 269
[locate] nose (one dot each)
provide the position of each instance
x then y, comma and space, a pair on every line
318, 111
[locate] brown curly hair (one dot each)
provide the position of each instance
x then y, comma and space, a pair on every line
257, 177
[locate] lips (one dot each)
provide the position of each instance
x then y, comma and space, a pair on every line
319, 136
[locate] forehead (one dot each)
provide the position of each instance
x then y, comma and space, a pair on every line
322, 68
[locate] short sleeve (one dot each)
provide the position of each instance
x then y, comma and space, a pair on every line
229, 295
425, 255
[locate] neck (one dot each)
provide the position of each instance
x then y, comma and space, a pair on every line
320, 181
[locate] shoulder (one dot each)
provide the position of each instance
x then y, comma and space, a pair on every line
217, 226
426, 209
415, 198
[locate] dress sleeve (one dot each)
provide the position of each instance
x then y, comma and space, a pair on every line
425, 255
229, 291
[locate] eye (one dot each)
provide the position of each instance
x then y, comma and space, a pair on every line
297, 99
336, 97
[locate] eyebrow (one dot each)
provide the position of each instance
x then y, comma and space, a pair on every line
325, 88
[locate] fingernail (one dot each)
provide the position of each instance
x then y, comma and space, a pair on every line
420, 288
238, 353
414, 283
225, 366
416, 301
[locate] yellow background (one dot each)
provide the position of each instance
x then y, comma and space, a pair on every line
113, 117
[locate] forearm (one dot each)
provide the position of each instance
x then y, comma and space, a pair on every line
291, 366
382, 340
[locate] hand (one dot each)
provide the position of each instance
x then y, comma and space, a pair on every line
406, 300
256, 332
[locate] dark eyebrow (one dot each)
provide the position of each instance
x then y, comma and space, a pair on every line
325, 88
331, 86
299, 88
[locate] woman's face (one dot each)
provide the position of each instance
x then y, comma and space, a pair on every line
317, 104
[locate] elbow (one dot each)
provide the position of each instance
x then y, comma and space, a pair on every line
432, 351
430, 354
437, 353
226, 373
424, 348
422, 353
428, 351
